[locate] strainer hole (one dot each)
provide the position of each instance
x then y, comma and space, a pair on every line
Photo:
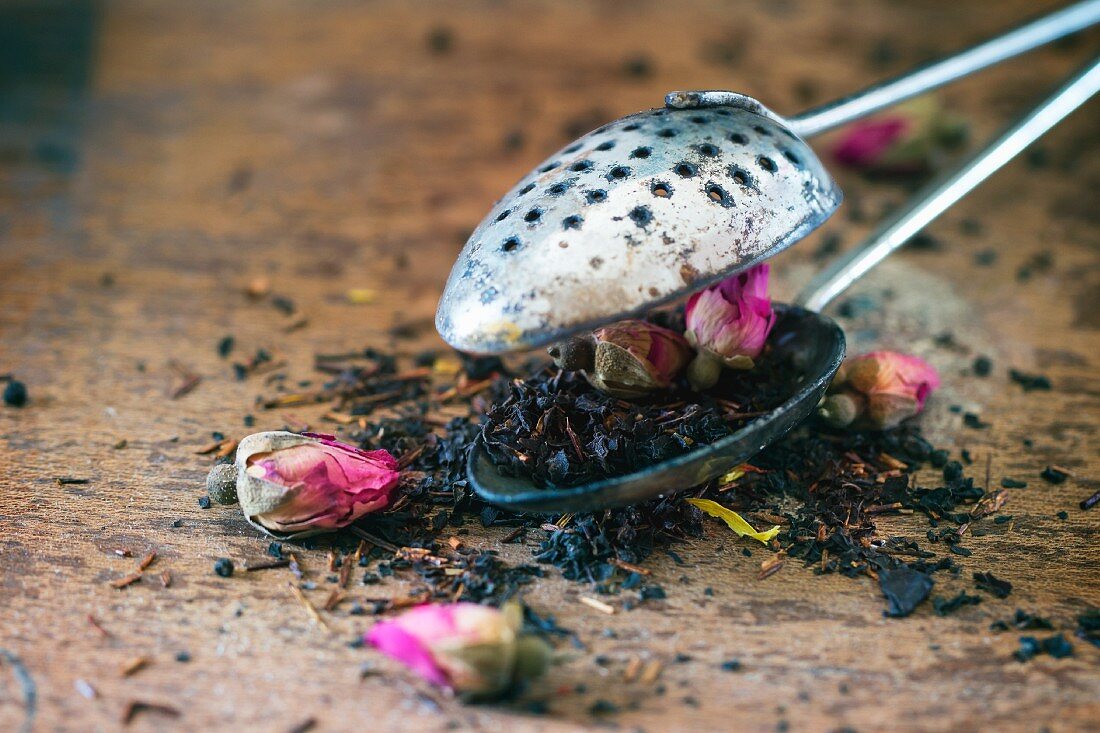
740, 176
760, 129
718, 195
767, 163
641, 215
618, 173
661, 189
793, 158
666, 132
595, 197
572, 222
572, 148
503, 215
606, 146
642, 152
685, 170
558, 188
527, 189
581, 165
708, 150
511, 244
532, 216
631, 127
722, 112
549, 166
739, 138
698, 119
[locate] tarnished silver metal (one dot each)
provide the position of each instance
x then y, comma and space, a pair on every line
653, 206
639, 212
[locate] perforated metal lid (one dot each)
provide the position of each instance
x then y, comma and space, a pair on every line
634, 214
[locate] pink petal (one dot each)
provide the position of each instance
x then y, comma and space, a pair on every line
328, 484
865, 142
411, 637
734, 317
395, 642
902, 374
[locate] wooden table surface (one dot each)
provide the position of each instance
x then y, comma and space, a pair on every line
156, 157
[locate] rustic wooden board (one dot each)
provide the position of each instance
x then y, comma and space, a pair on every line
195, 146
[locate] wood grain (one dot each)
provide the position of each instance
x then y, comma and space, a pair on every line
326, 146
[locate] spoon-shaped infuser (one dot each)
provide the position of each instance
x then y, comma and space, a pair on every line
813, 342
659, 204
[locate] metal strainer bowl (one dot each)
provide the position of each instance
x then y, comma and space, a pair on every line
636, 213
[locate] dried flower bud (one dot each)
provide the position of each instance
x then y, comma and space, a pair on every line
910, 139
728, 323
626, 359
879, 390
476, 651
292, 485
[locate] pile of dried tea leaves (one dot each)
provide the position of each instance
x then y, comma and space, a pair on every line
824, 488
556, 430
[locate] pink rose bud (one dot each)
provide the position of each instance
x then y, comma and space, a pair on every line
913, 138
626, 359
879, 390
728, 323
292, 485
475, 651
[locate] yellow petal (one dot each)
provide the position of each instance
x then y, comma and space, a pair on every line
734, 520
447, 366
362, 296
734, 474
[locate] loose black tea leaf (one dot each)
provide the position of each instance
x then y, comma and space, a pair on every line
15, 393
974, 421
1030, 382
1054, 475
1022, 620
945, 606
1056, 646
992, 584
905, 589
1088, 626
982, 366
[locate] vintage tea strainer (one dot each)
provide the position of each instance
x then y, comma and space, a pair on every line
658, 204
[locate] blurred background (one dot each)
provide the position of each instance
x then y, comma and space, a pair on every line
336, 141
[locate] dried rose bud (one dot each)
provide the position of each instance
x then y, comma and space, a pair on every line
879, 390
475, 651
626, 359
728, 323
292, 485
912, 138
